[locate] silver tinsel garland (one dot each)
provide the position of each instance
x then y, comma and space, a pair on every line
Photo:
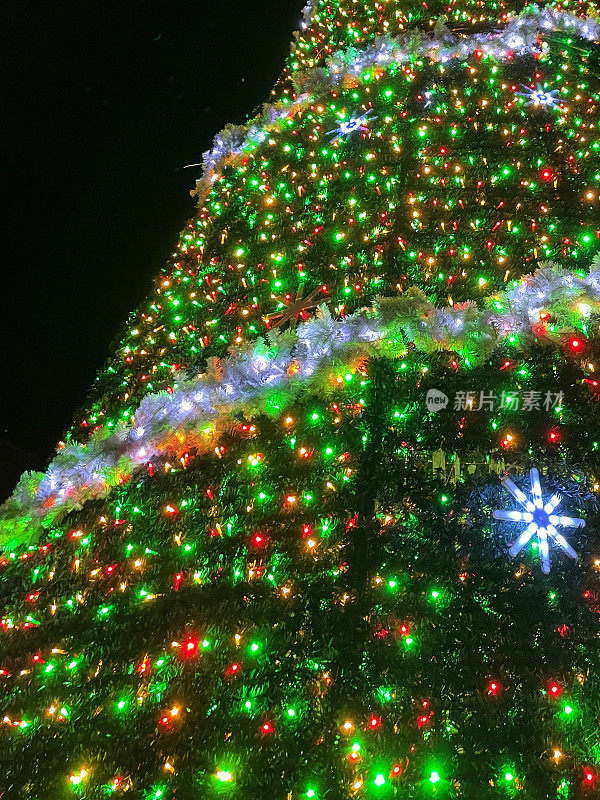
265, 376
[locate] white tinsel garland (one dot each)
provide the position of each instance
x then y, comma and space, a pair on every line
520, 36
266, 375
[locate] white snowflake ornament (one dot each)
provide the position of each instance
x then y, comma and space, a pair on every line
540, 518
538, 97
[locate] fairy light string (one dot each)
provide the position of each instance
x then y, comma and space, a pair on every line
264, 562
403, 203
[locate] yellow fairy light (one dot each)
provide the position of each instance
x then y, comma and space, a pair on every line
76, 778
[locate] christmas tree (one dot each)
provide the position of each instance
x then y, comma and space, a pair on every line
328, 525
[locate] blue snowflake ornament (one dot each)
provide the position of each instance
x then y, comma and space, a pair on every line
354, 123
541, 520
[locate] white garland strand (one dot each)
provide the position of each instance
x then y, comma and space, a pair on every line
522, 35
266, 375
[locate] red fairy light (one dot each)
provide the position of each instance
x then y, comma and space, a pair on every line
232, 670
190, 646
396, 770
554, 436
374, 722
177, 581
589, 779
266, 728
494, 688
576, 344
352, 522
554, 689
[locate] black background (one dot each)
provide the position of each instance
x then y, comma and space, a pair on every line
104, 103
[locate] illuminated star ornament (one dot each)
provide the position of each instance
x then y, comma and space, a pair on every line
355, 123
540, 518
537, 96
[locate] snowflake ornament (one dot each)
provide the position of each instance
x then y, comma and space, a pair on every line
355, 123
540, 518
538, 96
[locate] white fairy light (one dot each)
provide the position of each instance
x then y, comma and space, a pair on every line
540, 518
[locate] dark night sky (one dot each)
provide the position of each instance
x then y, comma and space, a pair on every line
103, 104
